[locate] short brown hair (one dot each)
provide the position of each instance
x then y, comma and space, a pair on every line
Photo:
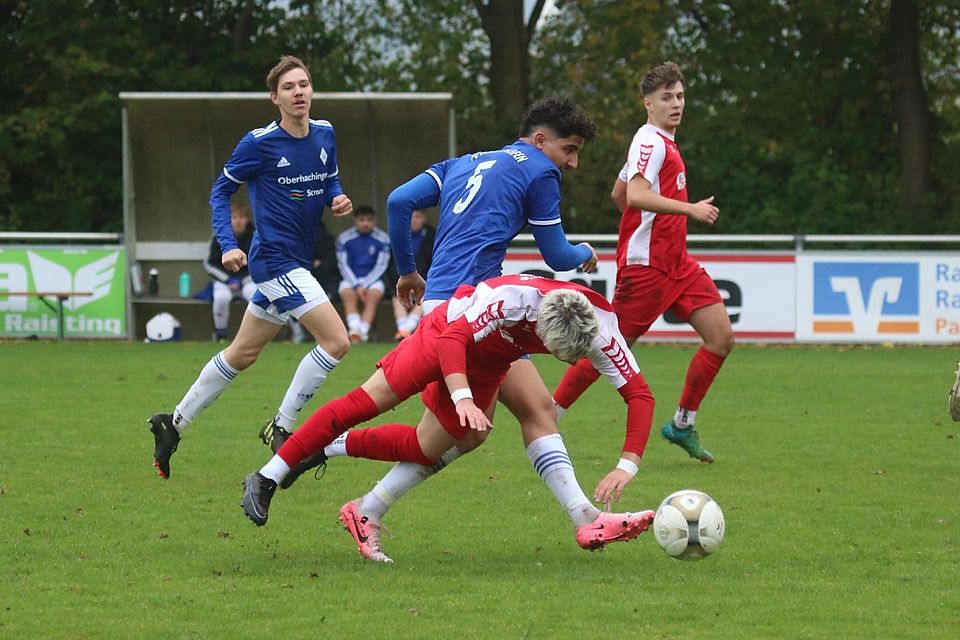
286, 64
662, 75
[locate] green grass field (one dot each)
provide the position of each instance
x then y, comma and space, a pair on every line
838, 470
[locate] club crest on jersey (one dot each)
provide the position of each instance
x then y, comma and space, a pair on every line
492, 313
618, 356
323, 155
681, 181
646, 150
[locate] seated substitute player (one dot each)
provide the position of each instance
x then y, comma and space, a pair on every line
228, 285
457, 360
363, 255
279, 163
654, 270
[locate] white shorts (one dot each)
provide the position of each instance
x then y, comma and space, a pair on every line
290, 295
376, 286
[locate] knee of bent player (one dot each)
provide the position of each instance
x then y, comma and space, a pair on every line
472, 440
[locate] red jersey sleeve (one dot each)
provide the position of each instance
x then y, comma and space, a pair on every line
452, 347
636, 393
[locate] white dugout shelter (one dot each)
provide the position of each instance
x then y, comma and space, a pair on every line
175, 145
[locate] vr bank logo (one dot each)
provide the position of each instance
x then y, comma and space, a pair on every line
866, 298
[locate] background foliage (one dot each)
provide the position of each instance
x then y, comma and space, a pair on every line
789, 119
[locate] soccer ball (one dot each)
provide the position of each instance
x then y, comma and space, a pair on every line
689, 525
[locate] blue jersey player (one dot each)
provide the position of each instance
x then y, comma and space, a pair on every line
290, 169
485, 200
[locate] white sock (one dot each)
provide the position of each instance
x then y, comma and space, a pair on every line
364, 330
353, 322
338, 447
400, 480
684, 419
276, 469
311, 373
549, 457
213, 379
411, 322
560, 410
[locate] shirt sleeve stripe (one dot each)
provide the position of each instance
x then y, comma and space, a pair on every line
544, 223
433, 175
227, 173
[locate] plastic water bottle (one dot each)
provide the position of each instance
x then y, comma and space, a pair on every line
184, 285
153, 285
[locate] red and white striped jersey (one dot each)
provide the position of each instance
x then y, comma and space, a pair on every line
655, 239
501, 317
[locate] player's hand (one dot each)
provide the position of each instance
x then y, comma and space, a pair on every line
341, 206
590, 265
410, 289
471, 415
361, 294
234, 260
704, 211
610, 488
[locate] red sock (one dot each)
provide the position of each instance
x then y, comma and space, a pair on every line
700, 374
326, 424
576, 380
390, 442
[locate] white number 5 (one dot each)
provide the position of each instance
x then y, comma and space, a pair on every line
472, 186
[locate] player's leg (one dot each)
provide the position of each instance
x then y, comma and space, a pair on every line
311, 307
348, 296
371, 304
254, 334
701, 306
362, 517
953, 398
525, 395
222, 295
329, 421
400, 315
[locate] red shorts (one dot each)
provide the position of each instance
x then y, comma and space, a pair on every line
643, 294
414, 367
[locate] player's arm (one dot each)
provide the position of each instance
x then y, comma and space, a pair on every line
419, 193
212, 265
244, 164
452, 352
338, 202
641, 196
611, 356
619, 193
559, 253
542, 204
343, 263
379, 269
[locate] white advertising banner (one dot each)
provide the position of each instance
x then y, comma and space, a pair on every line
759, 290
878, 297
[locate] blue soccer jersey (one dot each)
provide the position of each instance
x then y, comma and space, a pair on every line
363, 258
486, 199
289, 181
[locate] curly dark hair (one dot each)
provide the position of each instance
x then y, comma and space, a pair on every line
561, 115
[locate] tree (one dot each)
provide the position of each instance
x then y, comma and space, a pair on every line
910, 105
65, 64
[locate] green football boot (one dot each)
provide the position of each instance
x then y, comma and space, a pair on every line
686, 439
